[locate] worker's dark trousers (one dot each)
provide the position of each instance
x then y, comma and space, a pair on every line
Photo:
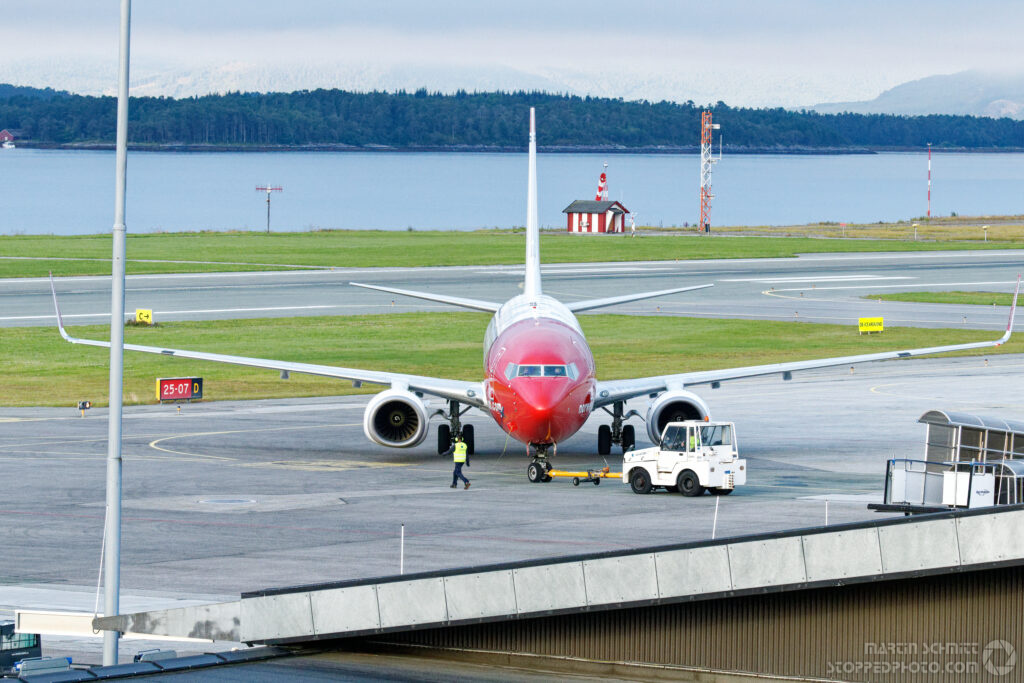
458, 474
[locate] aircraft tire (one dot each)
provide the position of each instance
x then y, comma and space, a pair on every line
535, 473
604, 440
628, 437
468, 437
444, 438
721, 492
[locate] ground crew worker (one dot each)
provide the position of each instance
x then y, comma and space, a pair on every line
693, 441
460, 454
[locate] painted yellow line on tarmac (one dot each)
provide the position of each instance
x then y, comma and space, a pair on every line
70, 441
326, 465
882, 390
153, 444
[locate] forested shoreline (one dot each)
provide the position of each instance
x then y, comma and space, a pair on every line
337, 119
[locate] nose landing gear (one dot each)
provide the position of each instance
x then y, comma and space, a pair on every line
537, 471
618, 433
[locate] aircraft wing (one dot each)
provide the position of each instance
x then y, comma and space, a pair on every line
620, 390
469, 393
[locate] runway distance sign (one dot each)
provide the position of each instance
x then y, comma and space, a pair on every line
179, 388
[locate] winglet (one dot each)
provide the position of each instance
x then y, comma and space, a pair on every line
56, 308
1013, 310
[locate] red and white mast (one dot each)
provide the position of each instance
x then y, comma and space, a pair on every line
706, 160
602, 186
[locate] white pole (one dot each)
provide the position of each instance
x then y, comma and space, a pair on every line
401, 553
929, 181
714, 525
112, 559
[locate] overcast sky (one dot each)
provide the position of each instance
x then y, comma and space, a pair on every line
745, 52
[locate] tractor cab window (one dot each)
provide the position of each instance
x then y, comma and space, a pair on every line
716, 435
673, 439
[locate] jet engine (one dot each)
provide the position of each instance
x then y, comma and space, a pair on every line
396, 418
673, 406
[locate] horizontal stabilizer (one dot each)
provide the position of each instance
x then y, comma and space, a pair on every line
474, 304
626, 298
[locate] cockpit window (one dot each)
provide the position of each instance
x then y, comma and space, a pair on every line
574, 373
544, 371
510, 371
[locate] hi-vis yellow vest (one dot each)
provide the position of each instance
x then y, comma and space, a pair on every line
460, 451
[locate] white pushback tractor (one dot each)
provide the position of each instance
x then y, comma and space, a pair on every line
694, 456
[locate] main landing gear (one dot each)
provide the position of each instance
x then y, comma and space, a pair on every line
446, 433
618, 433
537, 471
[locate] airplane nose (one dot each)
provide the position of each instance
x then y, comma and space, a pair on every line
542, 397
544, 413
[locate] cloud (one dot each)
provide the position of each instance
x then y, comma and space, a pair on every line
800, 50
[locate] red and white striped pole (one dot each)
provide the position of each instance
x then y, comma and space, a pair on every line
929, 180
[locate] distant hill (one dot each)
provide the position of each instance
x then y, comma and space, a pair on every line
337, 119
7, 90
968, 93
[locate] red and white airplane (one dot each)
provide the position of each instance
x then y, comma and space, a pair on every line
540, 381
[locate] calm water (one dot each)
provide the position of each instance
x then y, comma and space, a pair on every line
72, 192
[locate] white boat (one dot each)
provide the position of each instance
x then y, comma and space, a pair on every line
7, 145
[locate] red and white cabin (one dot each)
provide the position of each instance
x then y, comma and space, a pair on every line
587, 215
6, 136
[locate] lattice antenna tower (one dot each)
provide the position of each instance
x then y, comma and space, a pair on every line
706, 161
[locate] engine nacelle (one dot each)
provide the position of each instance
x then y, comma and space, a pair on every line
673, 406
396, 418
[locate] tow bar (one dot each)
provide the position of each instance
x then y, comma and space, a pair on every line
594, 476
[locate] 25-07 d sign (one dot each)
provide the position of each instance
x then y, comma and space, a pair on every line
179, 388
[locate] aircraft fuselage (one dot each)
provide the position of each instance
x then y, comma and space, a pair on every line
540, 372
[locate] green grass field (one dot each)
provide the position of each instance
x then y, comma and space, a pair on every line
972, 298
40, 368
35, 255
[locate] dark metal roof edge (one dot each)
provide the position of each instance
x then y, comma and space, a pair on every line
789, 533
700, 597
166, 665
592, 202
